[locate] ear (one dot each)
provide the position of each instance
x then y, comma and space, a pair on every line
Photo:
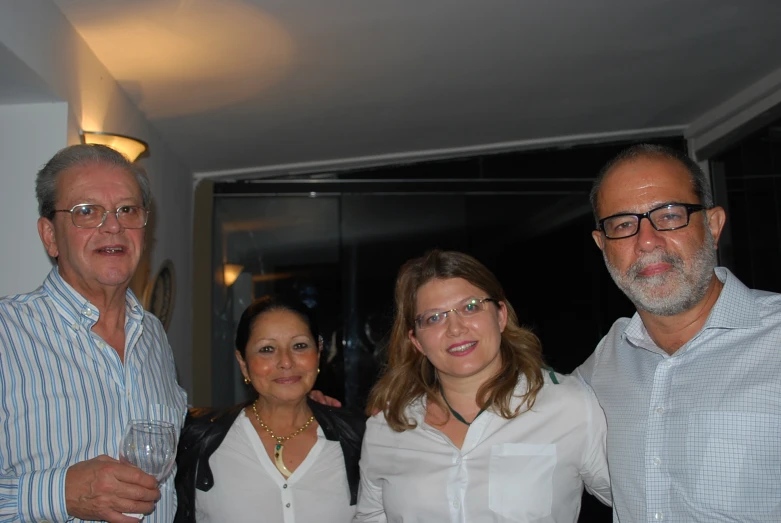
48, 236
415, 341
599, 239
242, 365
717, 217
502, 316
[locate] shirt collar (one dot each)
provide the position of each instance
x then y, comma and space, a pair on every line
735, 308
77, 308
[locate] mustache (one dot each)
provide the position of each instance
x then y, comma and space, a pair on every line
654, 257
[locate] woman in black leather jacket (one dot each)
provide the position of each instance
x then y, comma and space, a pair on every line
280, 452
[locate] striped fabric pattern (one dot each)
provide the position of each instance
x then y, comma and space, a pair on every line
66, 397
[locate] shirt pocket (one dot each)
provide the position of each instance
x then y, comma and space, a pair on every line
734, 461
520, 480
161, 412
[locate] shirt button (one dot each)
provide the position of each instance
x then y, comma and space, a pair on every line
660, 410
458, 460
284, 486
657, 461
75, 326
455, 504
288, 505
658, 516
668, 363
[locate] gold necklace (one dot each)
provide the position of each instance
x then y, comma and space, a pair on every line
279, 447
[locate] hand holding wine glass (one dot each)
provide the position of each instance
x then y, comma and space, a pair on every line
150, 446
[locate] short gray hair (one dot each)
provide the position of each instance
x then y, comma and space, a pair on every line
699, 179
83, 154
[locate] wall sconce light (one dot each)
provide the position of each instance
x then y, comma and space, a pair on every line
230, 272
130, 147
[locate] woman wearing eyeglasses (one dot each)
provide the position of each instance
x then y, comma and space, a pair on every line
472, 427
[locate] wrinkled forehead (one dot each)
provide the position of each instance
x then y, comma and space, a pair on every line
635, 184
95, 177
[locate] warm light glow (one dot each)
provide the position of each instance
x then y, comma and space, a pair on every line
231, 271
130, 147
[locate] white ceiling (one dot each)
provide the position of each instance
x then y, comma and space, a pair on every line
279, 85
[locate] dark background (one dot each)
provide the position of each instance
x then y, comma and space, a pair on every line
525, 215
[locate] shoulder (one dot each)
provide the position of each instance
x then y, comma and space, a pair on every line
567, 393
202, 422
337, 418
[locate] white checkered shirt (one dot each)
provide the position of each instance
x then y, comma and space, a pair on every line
695, 436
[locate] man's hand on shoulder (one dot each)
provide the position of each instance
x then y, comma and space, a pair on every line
319, 397
102, 488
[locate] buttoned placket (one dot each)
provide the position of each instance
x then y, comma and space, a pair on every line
458, 477
656, 475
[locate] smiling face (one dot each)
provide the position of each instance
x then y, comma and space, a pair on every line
281, 356
106, 257
459, 347
663, 272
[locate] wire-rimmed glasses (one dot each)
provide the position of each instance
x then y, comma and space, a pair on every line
668, 217
467, 308
91, 216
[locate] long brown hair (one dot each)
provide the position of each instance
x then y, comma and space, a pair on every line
409, 375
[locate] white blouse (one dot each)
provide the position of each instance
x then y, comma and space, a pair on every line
249, 488
529, 468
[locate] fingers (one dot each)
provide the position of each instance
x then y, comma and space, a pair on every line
332, 402
102, 488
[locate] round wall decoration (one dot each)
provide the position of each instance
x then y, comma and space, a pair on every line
160, 292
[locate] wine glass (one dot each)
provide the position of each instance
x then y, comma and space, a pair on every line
150, 446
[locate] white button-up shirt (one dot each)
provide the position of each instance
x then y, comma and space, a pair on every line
529, 468
696, 436
248, 487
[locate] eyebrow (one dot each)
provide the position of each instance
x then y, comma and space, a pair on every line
439, 309
651, 206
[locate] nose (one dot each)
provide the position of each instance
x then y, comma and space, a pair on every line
455, 324
285, 361
648, 238
111, 223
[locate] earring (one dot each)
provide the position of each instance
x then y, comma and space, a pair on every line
246, 381
318, 370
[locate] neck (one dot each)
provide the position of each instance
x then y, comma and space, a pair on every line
670, 333
461, 393
282, 415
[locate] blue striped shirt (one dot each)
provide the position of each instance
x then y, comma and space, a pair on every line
65, 396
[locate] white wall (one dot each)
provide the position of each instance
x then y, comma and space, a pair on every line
28, 134
41, 37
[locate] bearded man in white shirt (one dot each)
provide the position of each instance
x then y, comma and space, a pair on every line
690, 385
79, 357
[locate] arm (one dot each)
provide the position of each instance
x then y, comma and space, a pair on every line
369, 508
34, 496
97, 489
594, 470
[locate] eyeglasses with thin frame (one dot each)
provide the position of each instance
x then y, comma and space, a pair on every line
668, 217
91, 216
469, 307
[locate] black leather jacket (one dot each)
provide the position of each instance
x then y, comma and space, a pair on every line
205, 429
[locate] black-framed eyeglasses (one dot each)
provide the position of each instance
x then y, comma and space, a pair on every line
91, 216
469, 307
667, 217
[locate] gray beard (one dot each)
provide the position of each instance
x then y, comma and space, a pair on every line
688, 284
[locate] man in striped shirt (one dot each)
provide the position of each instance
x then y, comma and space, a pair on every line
690, 385
79, 357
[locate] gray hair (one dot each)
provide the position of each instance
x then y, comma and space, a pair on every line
82, 154
702, 188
